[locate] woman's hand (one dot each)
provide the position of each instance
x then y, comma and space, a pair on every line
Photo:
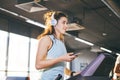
68, 57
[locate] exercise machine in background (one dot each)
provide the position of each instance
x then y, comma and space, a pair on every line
98, 69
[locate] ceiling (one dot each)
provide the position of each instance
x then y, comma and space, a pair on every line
102, 25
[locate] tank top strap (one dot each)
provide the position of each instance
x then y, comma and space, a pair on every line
52, 38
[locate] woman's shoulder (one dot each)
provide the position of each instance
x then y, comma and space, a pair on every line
45, 39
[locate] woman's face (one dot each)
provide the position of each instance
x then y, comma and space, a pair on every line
61, 25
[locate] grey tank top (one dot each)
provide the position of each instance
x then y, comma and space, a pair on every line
58, 49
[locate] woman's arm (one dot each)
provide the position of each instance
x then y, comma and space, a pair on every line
116, 66
43, 47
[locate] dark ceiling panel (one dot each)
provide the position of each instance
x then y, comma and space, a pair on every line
94, 15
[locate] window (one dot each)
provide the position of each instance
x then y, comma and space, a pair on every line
18, 55
34, 74
3, 51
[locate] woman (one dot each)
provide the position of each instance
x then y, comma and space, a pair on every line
116, 70
51, 54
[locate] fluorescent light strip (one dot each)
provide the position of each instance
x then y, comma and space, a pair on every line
118, 54
91, 44
27, 19
15, 14
83, 41
107, 50
23, 17
35, 23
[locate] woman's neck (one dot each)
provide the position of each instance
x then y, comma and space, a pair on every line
56, 36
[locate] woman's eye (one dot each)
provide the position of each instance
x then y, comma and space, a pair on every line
67, 23
64, 22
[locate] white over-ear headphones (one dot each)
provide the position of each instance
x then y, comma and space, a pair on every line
53, 20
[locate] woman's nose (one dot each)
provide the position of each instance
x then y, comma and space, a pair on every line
66, 26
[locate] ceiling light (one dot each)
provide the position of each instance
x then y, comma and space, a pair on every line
107, 50
13, 13
35, 23
31, 7
104, 34
83, 41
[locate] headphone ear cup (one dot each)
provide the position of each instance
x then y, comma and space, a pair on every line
53, 22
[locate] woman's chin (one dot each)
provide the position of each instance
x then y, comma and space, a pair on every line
63, 32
